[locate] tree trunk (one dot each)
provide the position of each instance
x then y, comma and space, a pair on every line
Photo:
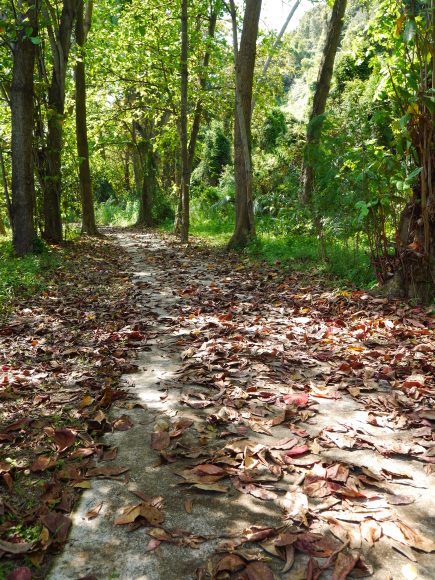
321, 94
183, 126
148, 188
88, 215
60, 45
21, 100
187, 171
244, 63
2, 227
5, 190
137, 162
127, 168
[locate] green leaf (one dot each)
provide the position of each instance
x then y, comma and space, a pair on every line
404, 120
410, 30
414, 173
35, 39
28, 30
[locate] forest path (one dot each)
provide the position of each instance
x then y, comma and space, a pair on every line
272, 397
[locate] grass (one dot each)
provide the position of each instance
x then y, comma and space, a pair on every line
294, 250
112, 213
23, 277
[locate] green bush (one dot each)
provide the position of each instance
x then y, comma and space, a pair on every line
216, 155
273, 127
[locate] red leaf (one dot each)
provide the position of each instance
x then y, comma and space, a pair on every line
296, 451
210, 469
298, 399
20, 574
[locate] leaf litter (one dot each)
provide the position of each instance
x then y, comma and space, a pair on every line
260, 353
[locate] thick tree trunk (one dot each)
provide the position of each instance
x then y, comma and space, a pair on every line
60, 45
183, 126
321, 94
88, 214
244, 63
148, 189
21, 100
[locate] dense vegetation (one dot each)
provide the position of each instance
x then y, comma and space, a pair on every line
370, 215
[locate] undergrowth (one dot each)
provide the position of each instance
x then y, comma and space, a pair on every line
25, 276
295, 250
113, 213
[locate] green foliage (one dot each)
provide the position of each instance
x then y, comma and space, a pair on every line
5, 569
21, 277
103, 190
216, 154
274, 126
117, 213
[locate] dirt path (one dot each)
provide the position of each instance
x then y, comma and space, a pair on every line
283, 407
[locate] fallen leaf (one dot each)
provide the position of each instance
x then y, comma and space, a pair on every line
298, 399
12, 548
122, 423
22, 573
229, 562
93, 513
64, 438
160, 440
259, 571
152, 545
343, 565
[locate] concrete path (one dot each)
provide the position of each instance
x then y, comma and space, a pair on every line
99, 549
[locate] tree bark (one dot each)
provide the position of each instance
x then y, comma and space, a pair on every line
321, 94
127, 167
178, 223
60, 45
244, 63
21, 100
88, 215
183, 125
5, 190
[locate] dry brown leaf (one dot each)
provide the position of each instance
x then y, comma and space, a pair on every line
93, 513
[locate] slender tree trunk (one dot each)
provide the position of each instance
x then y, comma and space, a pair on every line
183, 125
5, 190
244, 63
21, 100
274, 47
137, 160
60, 44
179, 215
127, 168
321, 95
83, 26
2, 227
